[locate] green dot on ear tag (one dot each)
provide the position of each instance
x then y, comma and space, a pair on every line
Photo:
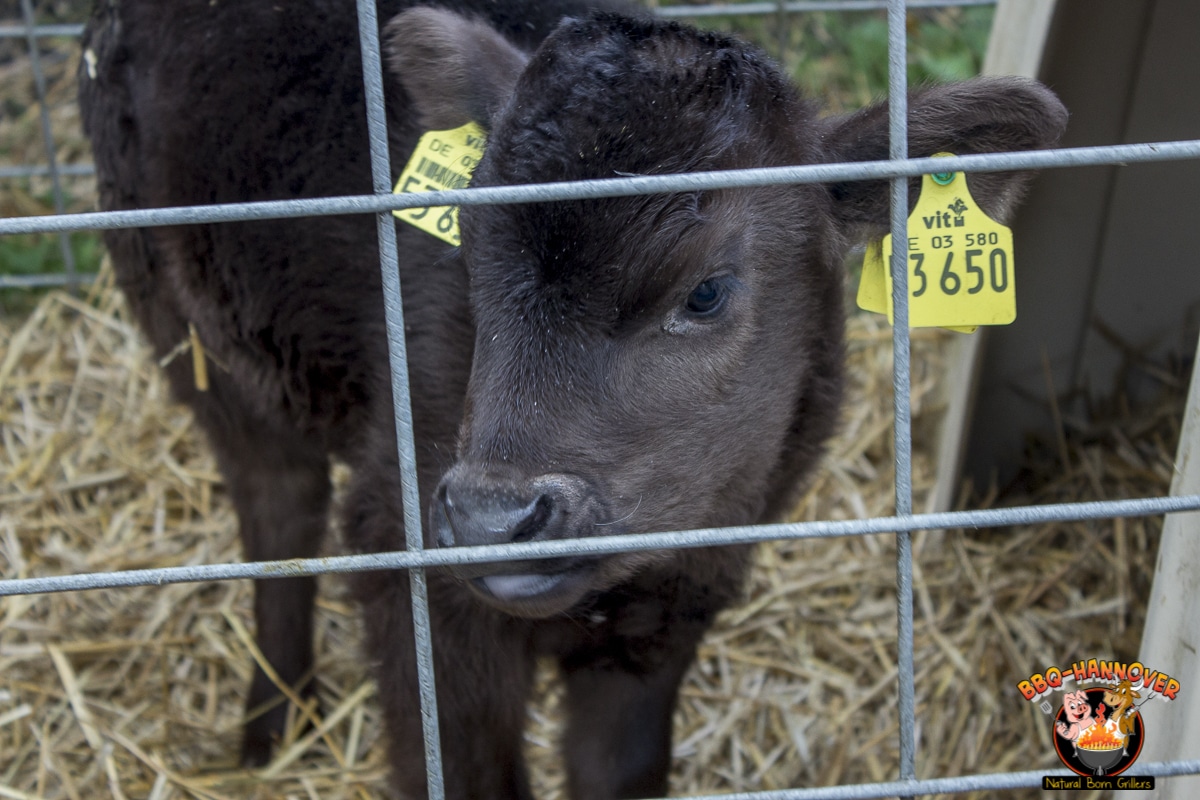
943, 178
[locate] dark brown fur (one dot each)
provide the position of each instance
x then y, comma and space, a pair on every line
570, 377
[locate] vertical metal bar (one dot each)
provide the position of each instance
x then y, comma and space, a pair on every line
783, 28
39, 81
898, 149
368, 31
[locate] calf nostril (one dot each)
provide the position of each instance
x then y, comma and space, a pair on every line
537, 514
440, 517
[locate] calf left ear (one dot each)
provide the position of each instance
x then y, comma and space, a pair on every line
455, 69
984, 115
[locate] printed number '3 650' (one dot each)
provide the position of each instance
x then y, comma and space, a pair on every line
951, 283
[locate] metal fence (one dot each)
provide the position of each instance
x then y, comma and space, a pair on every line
416, 559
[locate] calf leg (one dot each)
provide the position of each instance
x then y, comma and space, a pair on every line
279, 484
618, 740
483, 672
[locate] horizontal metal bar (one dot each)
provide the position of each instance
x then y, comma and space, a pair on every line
603, 545
44, 280
41, 170
739, 9
609, 187
40, 31
965, 783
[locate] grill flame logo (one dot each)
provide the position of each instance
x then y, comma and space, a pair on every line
1100, 737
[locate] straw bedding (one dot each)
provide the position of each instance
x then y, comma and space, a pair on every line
137, 693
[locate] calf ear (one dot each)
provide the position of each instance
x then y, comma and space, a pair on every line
455, 69
985, 115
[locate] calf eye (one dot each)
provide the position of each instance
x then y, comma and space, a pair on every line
707, 298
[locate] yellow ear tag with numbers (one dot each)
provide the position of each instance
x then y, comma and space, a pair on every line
960, 262
442, 160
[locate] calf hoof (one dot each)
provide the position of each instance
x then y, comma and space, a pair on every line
257, 747
264, 730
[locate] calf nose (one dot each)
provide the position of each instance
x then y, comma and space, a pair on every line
489, 517
474, 511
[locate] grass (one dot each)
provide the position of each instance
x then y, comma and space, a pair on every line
42, 254
21, 144
841, 57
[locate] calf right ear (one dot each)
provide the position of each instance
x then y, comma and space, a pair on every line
456, 70
983, 115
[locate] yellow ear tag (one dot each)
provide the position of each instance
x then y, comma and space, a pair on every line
872, 286
960, 262
442, 160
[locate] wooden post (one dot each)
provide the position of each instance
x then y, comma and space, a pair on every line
1171, 638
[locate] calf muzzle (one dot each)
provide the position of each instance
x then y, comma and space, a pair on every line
473, 508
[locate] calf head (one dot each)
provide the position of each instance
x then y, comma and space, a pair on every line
661, 362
